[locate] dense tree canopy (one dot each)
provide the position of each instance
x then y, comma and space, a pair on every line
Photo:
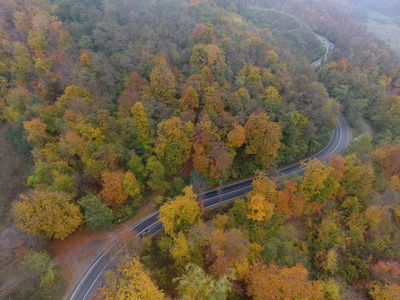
117, 102
180, 213
273, 282
50, 213
118, 98
134, 282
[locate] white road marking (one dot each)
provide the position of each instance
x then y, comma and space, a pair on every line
108, 249
90, 288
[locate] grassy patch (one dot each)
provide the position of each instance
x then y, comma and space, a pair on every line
272, 19
385, 28
378, 17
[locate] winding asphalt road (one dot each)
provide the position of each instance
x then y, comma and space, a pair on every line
329, 46
151, 224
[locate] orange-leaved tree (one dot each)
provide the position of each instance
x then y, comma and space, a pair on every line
36, 132
236, 138
275, 282
113, 192
227, 249
210, 156
388, 158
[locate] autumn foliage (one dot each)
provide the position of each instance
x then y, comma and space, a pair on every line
262, 138
132, 281
180, 213
50, 213
274, 282
113, 192
387, 158
114, 101
117, 112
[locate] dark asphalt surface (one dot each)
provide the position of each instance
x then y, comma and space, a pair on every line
95, 275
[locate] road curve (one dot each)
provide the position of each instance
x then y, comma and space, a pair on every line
95, 275
329, 46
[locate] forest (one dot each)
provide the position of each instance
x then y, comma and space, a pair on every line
117, 105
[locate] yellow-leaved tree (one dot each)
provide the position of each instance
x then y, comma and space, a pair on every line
197, 285
381, 291
262, 138
47, 212
130, 281
261, 200
181, 212
180, 250
133, 188
162, 81
141, 125
259, 209
173, 145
